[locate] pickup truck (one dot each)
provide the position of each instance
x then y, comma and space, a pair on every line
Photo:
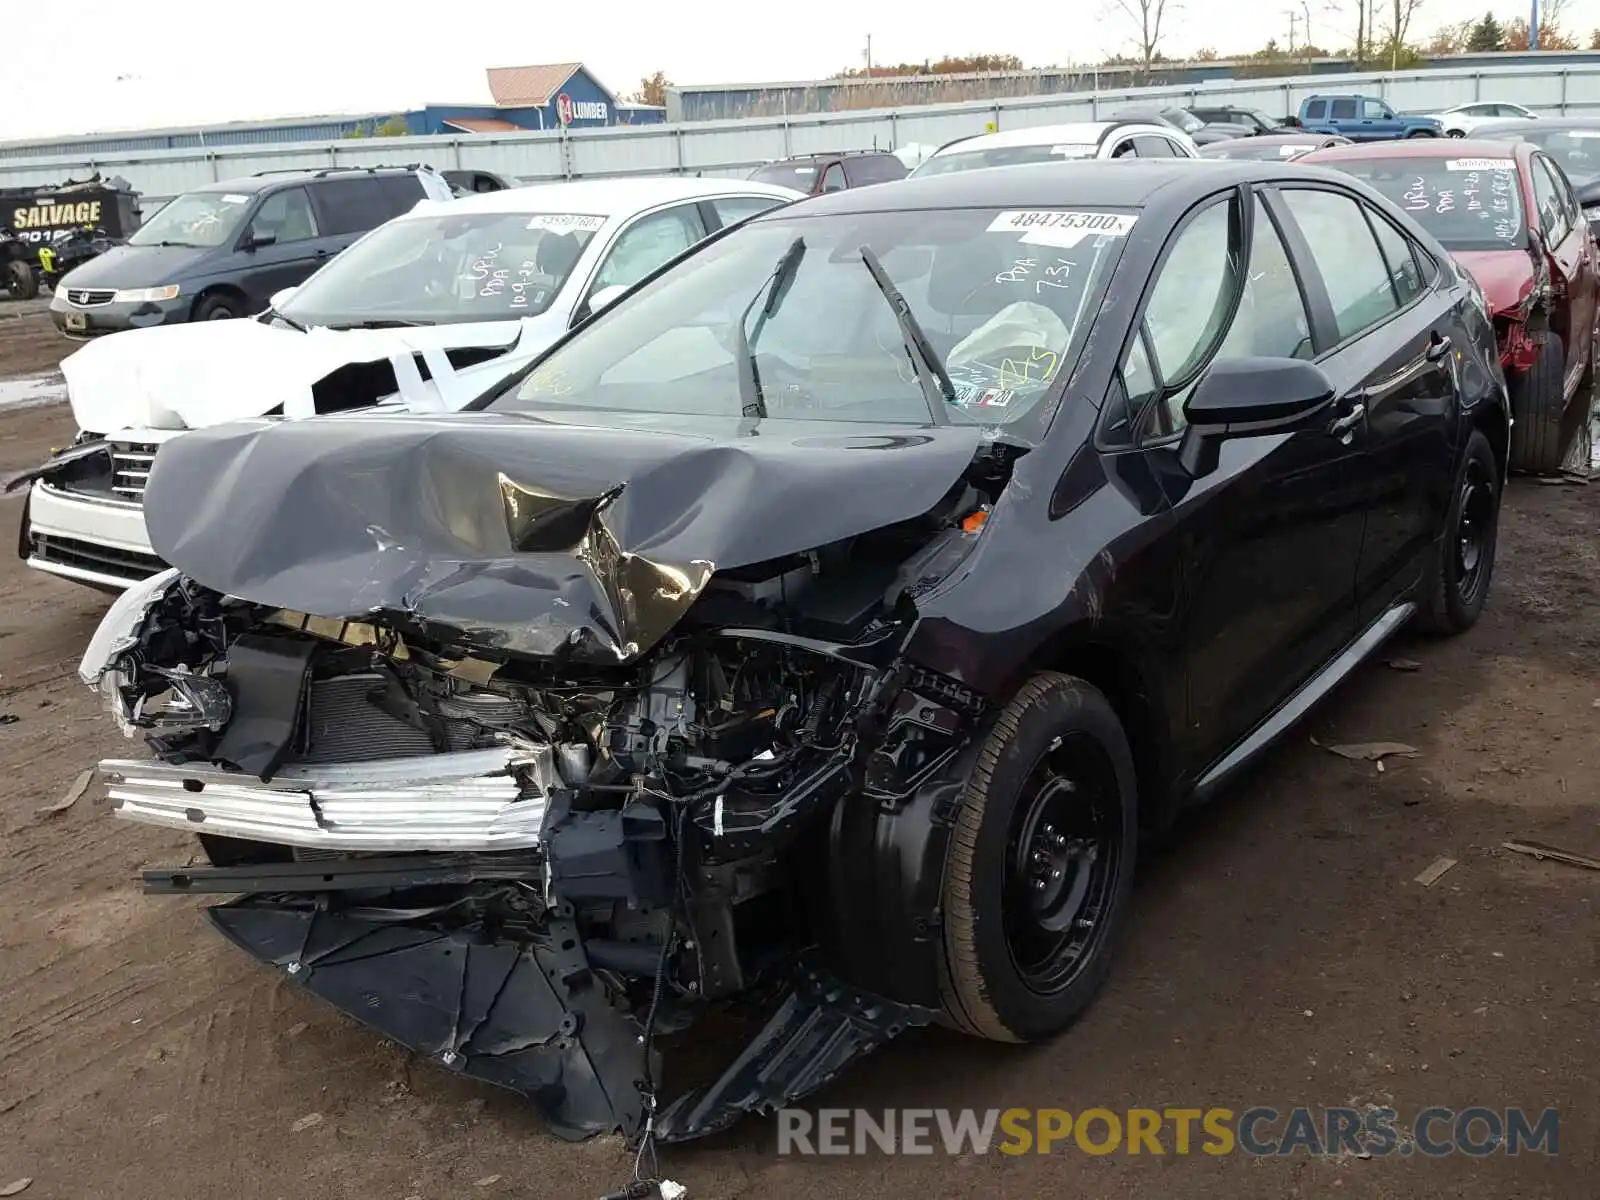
1363, 119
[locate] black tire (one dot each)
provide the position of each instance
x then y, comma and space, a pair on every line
1461, 571
1537, 406
1056, 748
21, 282
1421, 133
219, 306
1456, 133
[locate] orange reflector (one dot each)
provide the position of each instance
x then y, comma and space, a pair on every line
973, 522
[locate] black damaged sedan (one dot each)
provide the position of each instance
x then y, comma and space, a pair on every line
814, 631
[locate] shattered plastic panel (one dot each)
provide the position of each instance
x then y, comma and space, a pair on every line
534, 1020
526, 534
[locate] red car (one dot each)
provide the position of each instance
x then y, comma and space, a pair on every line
1508, 214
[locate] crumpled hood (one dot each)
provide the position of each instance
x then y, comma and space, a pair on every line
544, 535
1506, 276
208, 373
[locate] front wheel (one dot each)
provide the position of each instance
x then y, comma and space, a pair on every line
1041, 863
1415, 133
1457, 133
217, 308
1456, 583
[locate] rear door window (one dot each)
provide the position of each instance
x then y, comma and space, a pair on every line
731, 210
873, 168
1342, 110
359, 203
1152, 146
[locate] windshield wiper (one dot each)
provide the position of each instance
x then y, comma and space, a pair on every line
274, 314
752, 403
381, 323
935, 380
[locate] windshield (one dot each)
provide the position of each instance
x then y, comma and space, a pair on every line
1002, 156
1577, 150
793, 318
800, 176
195, 219
448, 268
1466, 203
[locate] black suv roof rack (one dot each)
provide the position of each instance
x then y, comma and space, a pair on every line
322, 172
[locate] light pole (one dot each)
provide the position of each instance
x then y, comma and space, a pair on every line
1533, 26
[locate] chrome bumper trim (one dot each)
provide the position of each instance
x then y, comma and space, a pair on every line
491, 799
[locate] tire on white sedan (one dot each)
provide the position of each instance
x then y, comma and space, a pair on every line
1041, 864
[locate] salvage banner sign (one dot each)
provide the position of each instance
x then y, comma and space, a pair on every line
38, 218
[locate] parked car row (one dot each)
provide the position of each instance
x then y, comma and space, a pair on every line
820, 605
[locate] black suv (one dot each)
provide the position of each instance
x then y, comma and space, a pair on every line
815, 174
223, 250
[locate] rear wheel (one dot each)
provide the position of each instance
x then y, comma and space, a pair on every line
1456, 583
1041, 864
1536, 407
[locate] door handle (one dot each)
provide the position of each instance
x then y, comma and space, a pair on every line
1343, 427
1438, 347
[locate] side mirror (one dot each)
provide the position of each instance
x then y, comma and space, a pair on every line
1249, 397
257, 238
604, 297
279, 299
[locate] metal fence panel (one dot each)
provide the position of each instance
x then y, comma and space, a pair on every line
732, 147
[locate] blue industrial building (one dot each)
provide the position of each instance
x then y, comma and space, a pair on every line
523, 99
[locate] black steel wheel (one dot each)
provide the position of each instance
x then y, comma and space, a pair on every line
1041, 863
1461, 571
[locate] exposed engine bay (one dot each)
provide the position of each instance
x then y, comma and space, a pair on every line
529, 870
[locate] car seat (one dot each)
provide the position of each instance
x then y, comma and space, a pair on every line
558, 253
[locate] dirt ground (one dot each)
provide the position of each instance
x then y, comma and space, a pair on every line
1281, 953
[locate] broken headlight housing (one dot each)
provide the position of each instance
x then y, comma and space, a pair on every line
182, 699
119, 628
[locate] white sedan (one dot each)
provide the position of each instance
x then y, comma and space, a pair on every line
426, 311
1060, 143
1461, 120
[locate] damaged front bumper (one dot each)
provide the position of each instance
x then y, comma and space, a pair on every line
470, 800
538, 1019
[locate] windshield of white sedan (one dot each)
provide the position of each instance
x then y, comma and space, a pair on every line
1466, 203
448, 268
801, 318
1002, 156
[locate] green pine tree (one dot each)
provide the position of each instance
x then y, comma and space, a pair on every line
1486, 37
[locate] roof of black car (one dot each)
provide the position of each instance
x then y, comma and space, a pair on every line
250, 184
1118, 183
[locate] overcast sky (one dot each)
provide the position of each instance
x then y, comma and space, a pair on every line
112, 64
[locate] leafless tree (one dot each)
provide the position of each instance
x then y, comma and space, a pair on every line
1147, 18
1400, 17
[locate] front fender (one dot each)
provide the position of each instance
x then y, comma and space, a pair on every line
886, 865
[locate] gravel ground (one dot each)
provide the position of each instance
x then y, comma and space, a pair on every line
1281, 953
